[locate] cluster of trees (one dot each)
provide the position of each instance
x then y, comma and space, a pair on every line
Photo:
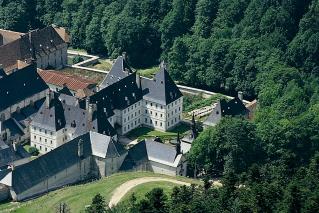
268, 49
257, 193
218, 44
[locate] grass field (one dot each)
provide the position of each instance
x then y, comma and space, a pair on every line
103, 64
140, 191
144, 132
77, 197
149, 72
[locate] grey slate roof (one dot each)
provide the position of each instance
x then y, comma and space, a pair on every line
234, 107
162, 89
2, 73
20, 85
119, 95
120, 70
8, 155
28, 175
52, 117
149, 150
61, 115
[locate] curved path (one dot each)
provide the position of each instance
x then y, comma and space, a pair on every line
123, 189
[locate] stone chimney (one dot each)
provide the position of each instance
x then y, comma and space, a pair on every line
240, 96
178, 145
91, 109
14, 146
124, 55
80, 148
48, 99
139, 81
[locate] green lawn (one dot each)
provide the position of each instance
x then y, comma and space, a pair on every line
141, 190
103, 64
148, 72
93, 76
144, 132
77, 197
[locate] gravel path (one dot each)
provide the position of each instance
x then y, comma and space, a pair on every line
123, 189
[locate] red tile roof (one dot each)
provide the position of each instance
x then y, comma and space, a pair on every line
71, 81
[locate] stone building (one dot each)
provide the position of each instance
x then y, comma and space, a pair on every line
58, 122
222, 108
150, 155
21, 95
46, 46
156, 103
91, 155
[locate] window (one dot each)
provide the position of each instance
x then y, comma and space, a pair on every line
151, 104
40, 147
40, 138
35, 137
146, 111
45, 140
161, 115
161, 124
145, 120
155, 123
156, 114
51, 141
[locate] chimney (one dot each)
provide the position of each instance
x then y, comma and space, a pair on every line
138, 81
124, 55
91, 109
178, 145
48, 99
80, 148
87, 103
14, 146
240, 96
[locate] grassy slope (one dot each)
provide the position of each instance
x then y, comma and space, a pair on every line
77, 197
141, 190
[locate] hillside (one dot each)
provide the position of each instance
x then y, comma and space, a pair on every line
77, 197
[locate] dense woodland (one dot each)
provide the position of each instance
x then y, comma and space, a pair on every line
269, 49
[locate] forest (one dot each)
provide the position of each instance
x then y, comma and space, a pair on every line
269, 49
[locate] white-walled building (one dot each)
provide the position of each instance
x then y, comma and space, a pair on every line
91, 155
156, 103
56, 123
46, 46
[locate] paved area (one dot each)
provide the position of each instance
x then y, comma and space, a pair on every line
123, 189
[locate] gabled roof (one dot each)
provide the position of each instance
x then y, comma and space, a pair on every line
108, 149
152, 151
119, 95
65, 90
42, 42
120, 70
162, 89
20, 85
8, 155
52, 117
28, 175
234, 107
60, 79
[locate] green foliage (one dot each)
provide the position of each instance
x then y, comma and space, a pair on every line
77, 59
98, 205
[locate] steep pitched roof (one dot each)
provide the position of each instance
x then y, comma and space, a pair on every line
52, 117
119, 95
20, 85
120, 70
234, 107
153, 151
8, 155
2, 73
42, 42
161, 89
28, 175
